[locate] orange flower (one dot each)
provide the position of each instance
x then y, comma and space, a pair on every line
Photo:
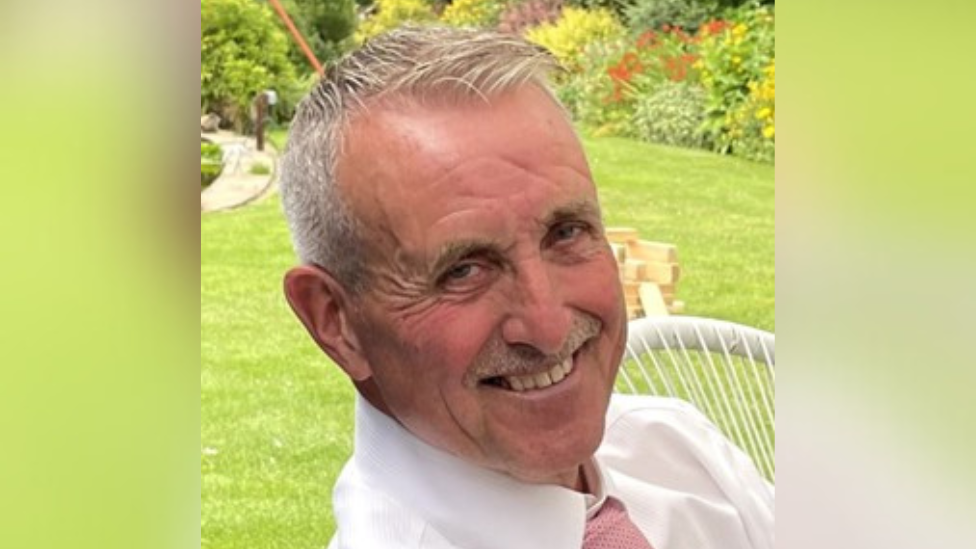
647, 40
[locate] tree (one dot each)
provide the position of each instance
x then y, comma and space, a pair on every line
242, 52
327, 27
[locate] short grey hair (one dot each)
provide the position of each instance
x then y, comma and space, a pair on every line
411, 63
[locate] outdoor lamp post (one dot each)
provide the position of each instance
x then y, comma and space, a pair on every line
265, 99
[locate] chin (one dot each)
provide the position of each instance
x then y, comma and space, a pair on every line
555, 463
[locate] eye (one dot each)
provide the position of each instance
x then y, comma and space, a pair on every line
466, 276
466, 268
461, 271
567, 231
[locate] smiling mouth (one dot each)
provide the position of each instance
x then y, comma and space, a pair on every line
531, 382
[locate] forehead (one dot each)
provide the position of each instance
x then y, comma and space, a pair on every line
435, 131
408, 168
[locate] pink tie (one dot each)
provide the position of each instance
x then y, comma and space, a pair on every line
611, 528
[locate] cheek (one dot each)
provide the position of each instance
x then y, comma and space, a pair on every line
434, 352
456, 335
596, 288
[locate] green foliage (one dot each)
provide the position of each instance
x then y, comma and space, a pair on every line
655, 14
588, 93
614, 77
278, 137
326, 26
473, 13
672, 115
574, 31
733, 62
618, 7
391, 14
211, 162
289, 95
656, 58
611, 89
752, 125
242, 51
259, 168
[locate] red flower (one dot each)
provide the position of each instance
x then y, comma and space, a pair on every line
647, 40
620, 72
713, 27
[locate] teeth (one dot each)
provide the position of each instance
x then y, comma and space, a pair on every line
541, 380
557, 374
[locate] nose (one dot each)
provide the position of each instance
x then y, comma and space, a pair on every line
538, 316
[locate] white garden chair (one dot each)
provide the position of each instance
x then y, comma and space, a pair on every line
723, 368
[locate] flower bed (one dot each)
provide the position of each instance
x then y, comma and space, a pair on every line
713, 88
710, 86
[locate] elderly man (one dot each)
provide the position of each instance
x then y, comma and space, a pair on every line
455, 267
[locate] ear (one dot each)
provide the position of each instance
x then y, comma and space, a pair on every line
321, 303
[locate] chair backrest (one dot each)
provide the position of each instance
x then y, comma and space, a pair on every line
725, 369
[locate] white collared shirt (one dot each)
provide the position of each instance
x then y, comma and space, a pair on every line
683, 483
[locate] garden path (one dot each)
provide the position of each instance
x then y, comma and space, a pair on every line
237, 185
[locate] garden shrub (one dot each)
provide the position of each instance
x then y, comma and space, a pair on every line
618, 7
588, 93
732, 63
752, 126
672, 115
211, 162
327, 28
575, 29
614, 76
473, 13
656, 57
242, 52
521, 15
624, 86
391, 14
289, 95
654, 14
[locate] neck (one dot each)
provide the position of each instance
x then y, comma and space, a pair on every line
576, 481
582, 483
371, 392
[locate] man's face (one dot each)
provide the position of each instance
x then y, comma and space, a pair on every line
495, 322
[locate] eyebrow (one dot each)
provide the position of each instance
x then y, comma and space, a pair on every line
574, 210
452, 252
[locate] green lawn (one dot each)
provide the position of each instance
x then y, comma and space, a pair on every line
276, 420
718, 211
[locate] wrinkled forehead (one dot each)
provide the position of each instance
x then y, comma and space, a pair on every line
431, 129
406, 163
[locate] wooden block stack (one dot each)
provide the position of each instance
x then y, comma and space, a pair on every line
649, 272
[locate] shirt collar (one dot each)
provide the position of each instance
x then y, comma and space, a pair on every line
599, 484
471, 506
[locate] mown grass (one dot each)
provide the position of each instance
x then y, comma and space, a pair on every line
718, 211
276, 416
